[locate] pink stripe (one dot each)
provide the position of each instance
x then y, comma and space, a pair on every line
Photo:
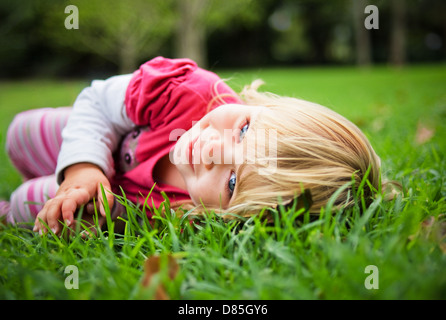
59, 127
48, 149
29, 198
40, 194
53, 187
16, 215
32, 197
60, 124
50, 137
16, 148
37, 138
52, 134
32, 160
34, 146
38, 147
21, 213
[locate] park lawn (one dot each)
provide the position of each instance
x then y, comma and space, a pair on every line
402, 111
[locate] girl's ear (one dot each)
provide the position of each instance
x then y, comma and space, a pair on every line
304, 200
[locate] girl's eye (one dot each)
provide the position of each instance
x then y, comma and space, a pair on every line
231, 183
243, 131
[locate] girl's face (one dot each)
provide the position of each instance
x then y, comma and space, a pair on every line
210, 153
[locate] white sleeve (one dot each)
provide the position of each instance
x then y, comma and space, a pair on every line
96, 124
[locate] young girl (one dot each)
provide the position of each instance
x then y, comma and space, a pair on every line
174, 127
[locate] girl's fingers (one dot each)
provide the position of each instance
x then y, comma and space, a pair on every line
46, 216
71, 203
69, 207
40, 216
63, 208
54, 215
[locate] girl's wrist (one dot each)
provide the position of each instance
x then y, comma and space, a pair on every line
82, 166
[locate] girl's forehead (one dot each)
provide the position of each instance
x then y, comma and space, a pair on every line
238, 108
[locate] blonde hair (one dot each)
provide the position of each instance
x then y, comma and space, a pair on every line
316, 149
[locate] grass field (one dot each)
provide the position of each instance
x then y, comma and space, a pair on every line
403, 112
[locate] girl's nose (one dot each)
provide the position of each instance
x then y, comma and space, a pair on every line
212, 152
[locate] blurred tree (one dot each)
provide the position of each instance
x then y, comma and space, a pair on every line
289, 43
362, 35
20, 41
320, 19
398, 33
124, 32
232, 33
196, 19
190, 34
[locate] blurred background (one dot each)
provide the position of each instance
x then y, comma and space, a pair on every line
116, 36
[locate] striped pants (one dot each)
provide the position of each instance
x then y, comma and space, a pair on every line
33, 143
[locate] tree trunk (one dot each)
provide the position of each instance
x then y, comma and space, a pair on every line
398, 33
127, 50
190, 35
362, 35
127, 59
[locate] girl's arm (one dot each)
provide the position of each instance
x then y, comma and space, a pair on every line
96, 124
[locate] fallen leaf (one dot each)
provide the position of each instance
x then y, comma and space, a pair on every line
433, 229
153, 266
423, 134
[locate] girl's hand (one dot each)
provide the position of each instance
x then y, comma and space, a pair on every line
82, 183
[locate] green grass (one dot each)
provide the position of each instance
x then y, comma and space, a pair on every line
289, 259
